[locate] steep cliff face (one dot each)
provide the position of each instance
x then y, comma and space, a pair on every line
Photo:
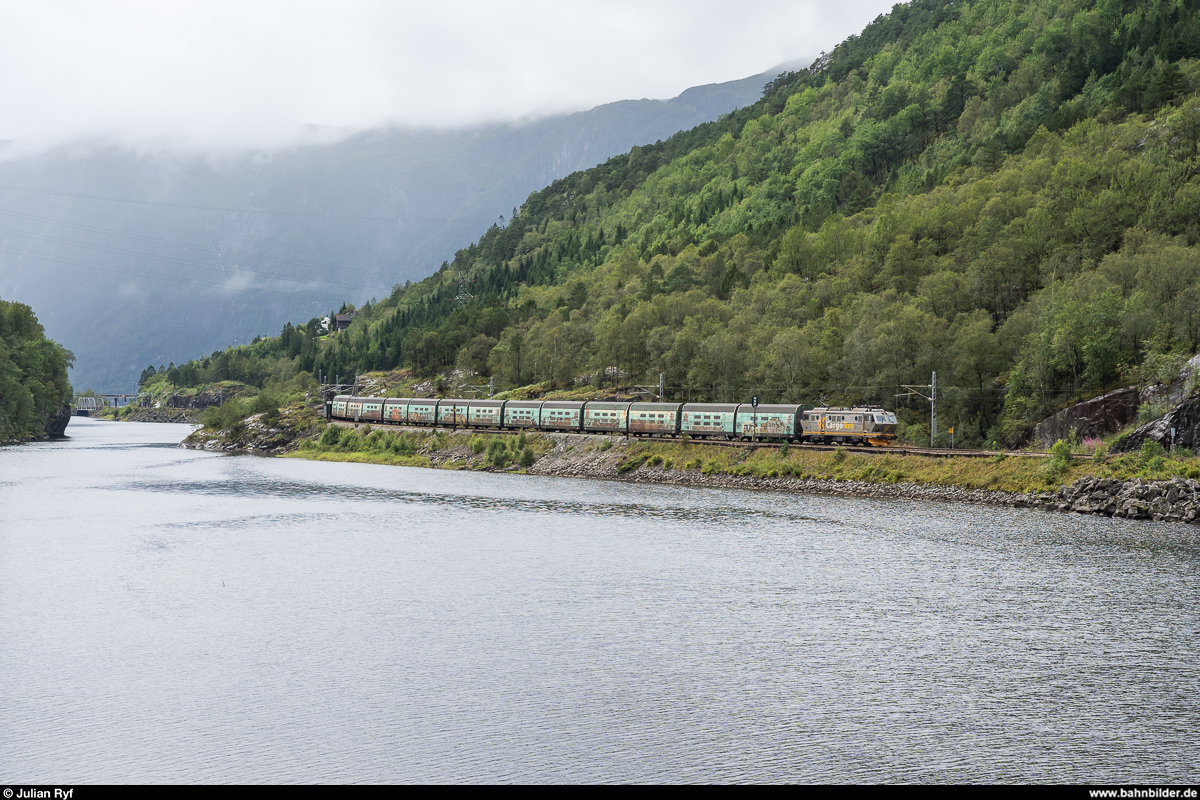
1108, 413
56, 425
1179, 427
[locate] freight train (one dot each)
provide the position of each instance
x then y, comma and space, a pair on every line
790, 423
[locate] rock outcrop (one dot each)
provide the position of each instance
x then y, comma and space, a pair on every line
1177, 390
56, 426
1107, 413
198, 401
253, 435
1184, 420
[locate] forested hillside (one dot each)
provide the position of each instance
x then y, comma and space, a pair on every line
205, 249
1005, 192
33, 375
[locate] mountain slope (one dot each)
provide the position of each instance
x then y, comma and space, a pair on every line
200, 257
1005, 192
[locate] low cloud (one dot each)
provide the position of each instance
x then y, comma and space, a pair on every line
223, 74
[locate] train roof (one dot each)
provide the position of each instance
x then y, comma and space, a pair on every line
769, 408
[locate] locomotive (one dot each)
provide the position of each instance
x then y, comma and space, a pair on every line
777, 422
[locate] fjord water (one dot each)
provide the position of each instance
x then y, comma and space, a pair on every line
170, 615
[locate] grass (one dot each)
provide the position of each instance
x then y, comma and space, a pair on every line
1006, 473
363, 458
1013, 473
414, 448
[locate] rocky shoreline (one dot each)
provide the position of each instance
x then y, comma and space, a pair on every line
602, 458
1174, 500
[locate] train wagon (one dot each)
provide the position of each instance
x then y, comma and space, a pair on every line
339, 408
562, 415
826, 425
422, 412
605, 417
849, 425
485, 413
523, 414
648, 419
774, 421
452, 413
395, 410
708, 419
363, 408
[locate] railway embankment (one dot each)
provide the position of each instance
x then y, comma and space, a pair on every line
1097, 487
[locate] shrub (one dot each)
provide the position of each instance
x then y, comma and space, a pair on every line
521, 440
1099, 453
478, 445
1150, 449
527, 457
1058, 462
631, 463
330, 436
783, 450
839, 455
1152, 410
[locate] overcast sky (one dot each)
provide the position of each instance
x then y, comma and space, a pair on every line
237, 73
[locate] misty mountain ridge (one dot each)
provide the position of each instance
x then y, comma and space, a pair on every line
137, 255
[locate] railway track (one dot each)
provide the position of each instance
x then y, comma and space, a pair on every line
899, 450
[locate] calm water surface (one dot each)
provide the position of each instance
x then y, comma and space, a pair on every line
175, 616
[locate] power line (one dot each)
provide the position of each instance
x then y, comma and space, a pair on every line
170, 242
219, 208
172, 278
162, 258
142, 221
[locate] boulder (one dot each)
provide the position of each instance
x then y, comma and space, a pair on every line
1107, 413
